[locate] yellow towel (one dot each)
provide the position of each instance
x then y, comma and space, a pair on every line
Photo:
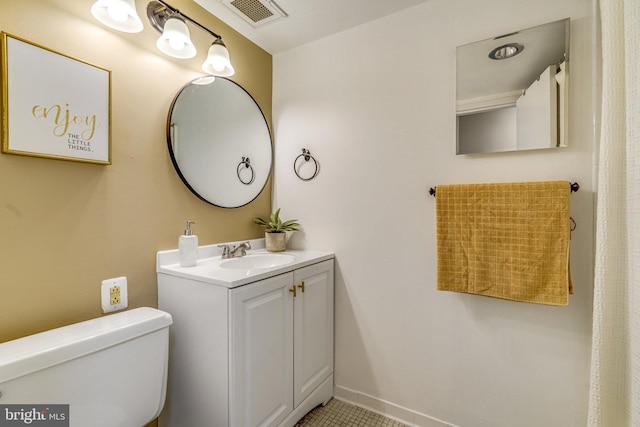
507, 241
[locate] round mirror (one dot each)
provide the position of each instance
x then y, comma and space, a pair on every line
219, 142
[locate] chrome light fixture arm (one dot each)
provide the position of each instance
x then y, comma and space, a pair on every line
159, 12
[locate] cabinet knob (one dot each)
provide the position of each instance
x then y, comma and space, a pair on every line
301, 286
293, 289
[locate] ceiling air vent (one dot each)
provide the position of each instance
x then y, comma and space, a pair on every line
256, 12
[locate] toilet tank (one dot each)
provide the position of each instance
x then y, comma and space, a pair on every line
111, 371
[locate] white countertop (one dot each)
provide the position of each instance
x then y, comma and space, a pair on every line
208, 268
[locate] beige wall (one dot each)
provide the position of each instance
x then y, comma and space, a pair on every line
66, 226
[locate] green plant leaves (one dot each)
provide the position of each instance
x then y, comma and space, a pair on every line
275, 225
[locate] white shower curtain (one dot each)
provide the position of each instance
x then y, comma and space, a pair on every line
614, 399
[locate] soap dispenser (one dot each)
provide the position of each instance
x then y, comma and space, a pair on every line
188, 247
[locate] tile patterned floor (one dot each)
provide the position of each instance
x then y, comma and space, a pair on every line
341, 414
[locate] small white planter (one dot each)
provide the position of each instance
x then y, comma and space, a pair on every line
275, 242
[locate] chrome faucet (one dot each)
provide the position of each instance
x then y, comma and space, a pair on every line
235, 251
241, 248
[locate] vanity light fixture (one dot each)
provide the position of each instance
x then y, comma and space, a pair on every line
217, 62
174, 40
120, 15
506, 51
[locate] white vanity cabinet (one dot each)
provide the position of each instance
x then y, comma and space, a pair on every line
282, 342
256, 354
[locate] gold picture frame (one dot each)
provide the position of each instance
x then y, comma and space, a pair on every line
53, 105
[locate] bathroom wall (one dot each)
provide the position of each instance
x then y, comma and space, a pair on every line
65, 226
376, 106
488, 132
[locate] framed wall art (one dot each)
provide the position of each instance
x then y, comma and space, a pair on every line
53, 106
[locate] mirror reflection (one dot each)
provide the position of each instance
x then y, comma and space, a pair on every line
219, 142
512, 91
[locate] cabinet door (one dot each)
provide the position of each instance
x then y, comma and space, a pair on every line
313, 328
261, 357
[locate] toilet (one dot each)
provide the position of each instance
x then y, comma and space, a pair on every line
111, 371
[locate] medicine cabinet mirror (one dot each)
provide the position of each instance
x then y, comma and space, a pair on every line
512, 91
219, 142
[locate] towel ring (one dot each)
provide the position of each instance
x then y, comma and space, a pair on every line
247, 165
306, 154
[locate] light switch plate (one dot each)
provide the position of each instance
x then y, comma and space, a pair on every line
109, 292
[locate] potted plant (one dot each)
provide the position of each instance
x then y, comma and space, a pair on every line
274, 231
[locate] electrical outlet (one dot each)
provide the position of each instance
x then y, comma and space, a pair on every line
114, 294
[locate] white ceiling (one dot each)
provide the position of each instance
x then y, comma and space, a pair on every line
307, 20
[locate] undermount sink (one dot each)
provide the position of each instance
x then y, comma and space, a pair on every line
258, 261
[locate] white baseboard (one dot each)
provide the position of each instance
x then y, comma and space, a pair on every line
388, 409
